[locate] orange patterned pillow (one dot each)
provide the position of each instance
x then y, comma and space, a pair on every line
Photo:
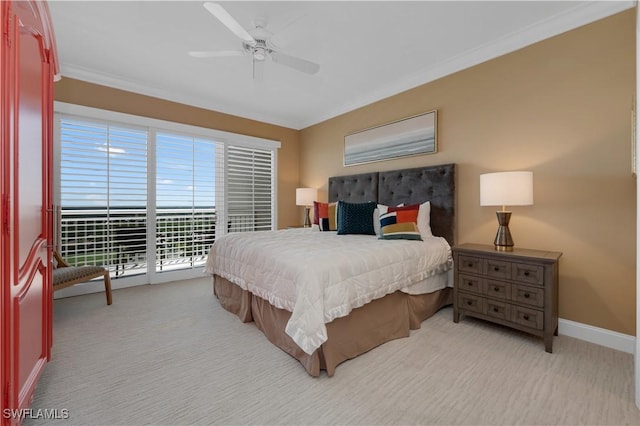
324, 215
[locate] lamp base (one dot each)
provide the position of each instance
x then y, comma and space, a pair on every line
503, 241
307, 220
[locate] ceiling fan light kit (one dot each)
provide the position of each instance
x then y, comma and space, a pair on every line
259, 54
259, 50
258, 44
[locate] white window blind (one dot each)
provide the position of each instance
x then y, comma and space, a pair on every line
250, 176
103, 193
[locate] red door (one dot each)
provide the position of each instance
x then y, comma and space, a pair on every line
26, 71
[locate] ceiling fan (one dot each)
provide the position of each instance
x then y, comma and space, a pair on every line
258, 44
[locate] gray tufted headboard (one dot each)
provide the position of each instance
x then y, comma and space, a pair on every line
354, 188
410, 186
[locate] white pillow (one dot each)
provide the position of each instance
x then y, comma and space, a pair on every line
424, 220
380, 210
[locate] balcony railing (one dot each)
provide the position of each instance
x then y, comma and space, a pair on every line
117, 238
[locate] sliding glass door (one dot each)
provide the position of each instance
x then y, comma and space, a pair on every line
147, 198
186, 218
103, 195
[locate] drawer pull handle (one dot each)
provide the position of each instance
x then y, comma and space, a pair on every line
496, 268
470, 283
526, 295
496, 289
470, 265
495, 309
526, 317
469, 302
526, 273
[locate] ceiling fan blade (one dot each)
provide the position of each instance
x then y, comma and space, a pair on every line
229, 21
295, 63
277, 37
216, 54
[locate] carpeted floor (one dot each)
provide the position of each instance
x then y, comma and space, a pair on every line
169, 354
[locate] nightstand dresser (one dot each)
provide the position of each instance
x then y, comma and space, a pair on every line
518, 289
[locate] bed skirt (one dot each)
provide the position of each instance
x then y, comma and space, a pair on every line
381, 320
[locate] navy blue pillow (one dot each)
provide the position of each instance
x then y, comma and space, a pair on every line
356, 218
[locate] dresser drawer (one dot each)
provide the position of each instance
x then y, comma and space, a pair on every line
470, 264
516, 288
470, 283
527, 317
497, 289
525, 273
497, 269
496, 309
527, 295
470, 302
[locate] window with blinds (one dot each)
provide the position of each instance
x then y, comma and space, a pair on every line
151, 196
103, 194
249, 189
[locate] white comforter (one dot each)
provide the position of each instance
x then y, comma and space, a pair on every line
320, 276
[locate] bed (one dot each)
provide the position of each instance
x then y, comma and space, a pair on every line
298, 290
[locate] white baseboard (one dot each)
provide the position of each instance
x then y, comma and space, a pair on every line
97, 286
600, 336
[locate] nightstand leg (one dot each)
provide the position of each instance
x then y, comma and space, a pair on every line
548, 343
456, 315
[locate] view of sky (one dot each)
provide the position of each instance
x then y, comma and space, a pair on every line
104, 165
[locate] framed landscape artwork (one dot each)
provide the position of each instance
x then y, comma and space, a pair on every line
410, 136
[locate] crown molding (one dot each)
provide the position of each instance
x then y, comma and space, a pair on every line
578, 16
104, 79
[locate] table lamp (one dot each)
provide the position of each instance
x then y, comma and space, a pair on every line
305, 197
505, 189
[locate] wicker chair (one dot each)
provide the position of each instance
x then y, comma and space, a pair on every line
65, 275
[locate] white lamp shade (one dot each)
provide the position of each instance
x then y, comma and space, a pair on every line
306, 196
506, 189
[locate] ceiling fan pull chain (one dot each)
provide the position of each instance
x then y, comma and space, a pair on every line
253, 60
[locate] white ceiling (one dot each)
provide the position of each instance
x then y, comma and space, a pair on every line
366, 50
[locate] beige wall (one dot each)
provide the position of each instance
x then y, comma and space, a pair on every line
92, 95
560, 108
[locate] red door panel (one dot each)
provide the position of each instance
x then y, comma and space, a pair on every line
27, 60
30, 179
30, 236
28, 331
